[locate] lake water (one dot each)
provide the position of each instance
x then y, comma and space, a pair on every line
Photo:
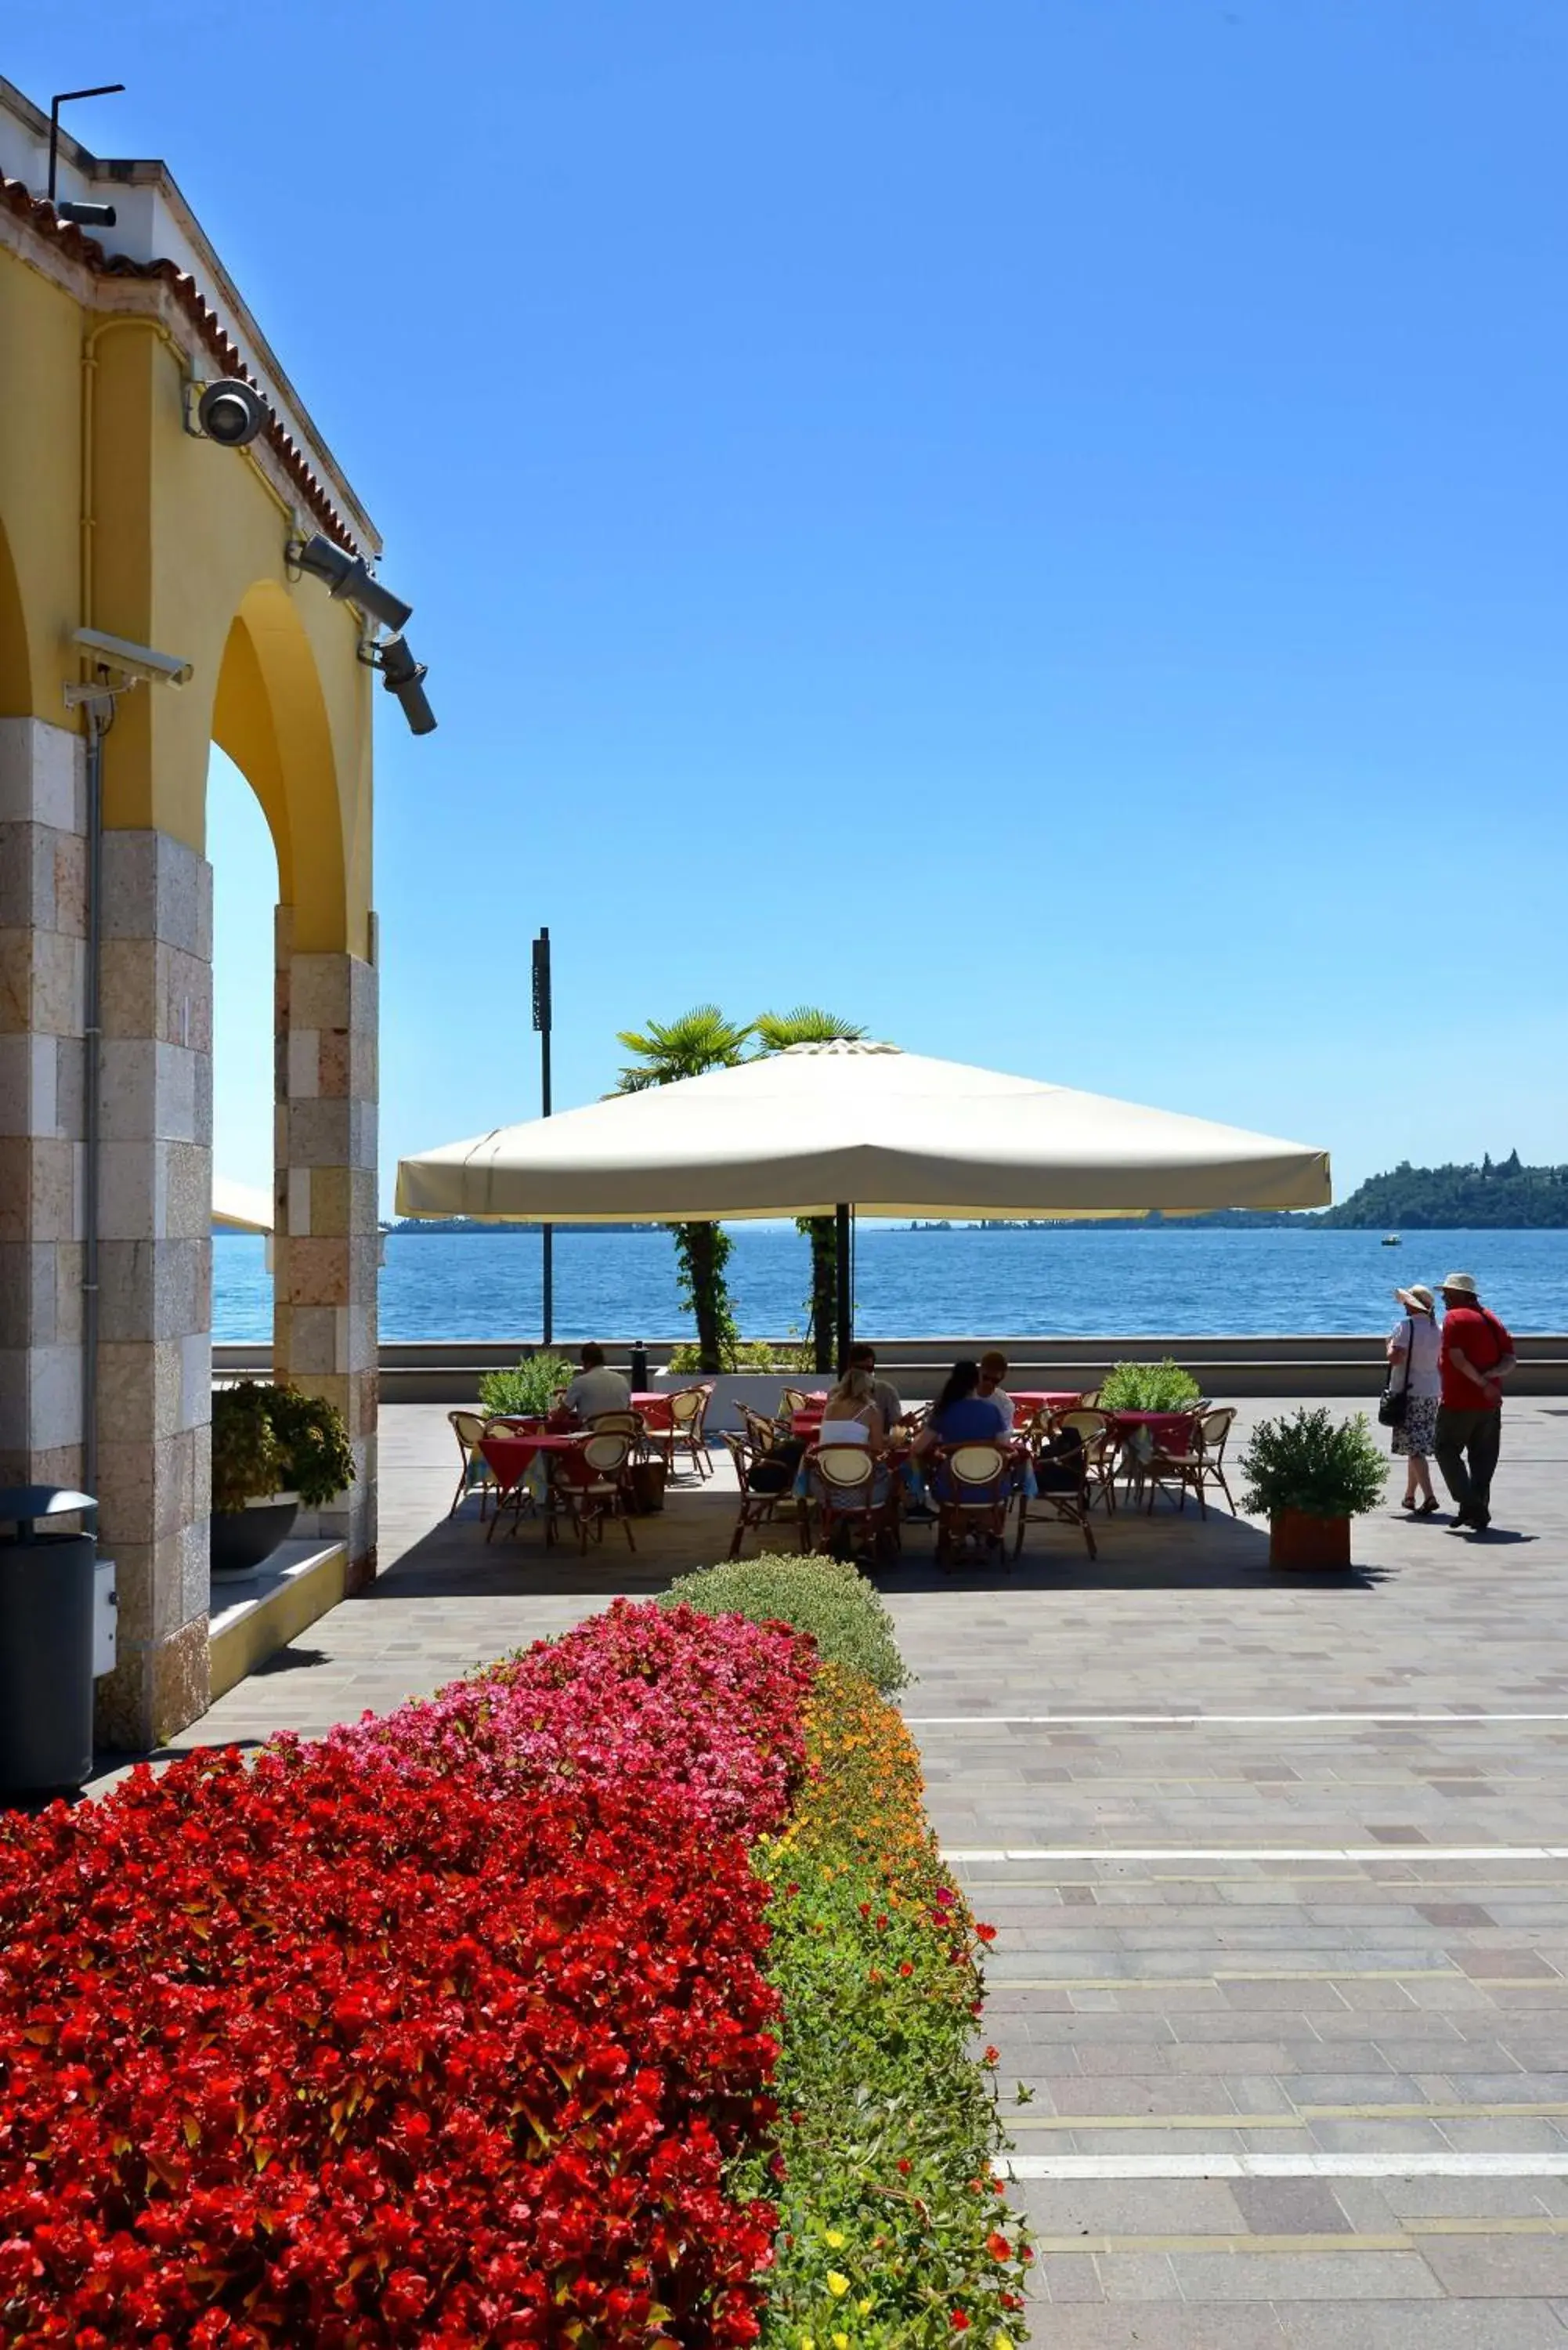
1072, 1282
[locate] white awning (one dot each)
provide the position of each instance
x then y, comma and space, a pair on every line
240, 1208
890, 1133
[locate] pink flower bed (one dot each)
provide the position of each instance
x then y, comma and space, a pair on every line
709, 1708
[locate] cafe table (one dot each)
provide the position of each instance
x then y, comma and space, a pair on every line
1027, 1401
1142, 1434
510, 1458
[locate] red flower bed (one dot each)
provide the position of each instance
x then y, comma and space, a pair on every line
343, 2050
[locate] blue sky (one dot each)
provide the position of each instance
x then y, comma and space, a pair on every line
1041, 527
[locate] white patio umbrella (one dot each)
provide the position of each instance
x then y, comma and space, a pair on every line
824, 1128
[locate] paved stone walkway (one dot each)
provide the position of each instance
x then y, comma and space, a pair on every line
1283, 1946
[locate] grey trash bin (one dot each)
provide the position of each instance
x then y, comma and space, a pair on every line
46, 1644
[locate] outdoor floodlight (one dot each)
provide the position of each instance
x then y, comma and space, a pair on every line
402, 674
230, 411
348, 576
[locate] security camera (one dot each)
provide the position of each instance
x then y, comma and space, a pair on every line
88, 215
138, 662
402, 674
230, 411
348, 576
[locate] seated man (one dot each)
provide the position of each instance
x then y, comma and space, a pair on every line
884, 1394
597, 1389
993, 1371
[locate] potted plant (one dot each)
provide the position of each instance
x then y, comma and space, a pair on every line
274, 1450
1309, 1475
1149, 1386
529, 1389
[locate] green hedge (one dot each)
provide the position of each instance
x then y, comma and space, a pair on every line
825, 1596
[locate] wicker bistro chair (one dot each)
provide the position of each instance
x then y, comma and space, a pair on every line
759, 1502
476, 1475
688, 1411
590, 1486
622, 1423
1062, 1492
1201, 1464
791, 1401
762, 1433
855, 1495
1102, 1451
972, 1486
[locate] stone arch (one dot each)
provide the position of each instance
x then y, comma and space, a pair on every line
291, 710
270, 715
16, 674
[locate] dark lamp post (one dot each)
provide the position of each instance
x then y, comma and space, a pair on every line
542, 1023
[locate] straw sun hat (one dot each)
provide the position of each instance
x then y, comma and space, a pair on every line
1460, 1285
1418, 1298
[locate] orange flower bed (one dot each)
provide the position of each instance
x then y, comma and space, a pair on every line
892, 2230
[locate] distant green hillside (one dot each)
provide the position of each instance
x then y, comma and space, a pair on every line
1459, 1198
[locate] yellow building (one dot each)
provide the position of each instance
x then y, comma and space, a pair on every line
117, 515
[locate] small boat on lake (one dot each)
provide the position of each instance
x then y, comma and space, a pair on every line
1391, 1239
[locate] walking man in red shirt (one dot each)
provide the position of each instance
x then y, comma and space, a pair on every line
1477, 1355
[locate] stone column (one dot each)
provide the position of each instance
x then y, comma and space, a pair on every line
43, 887
155, 1206
323, 1311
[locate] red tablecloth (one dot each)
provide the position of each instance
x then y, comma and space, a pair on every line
509, 1457
654, 1406
1169, 1431
1031, 1400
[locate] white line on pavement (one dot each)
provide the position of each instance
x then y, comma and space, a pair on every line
1283, 2166
1399, 1852
1205, 1720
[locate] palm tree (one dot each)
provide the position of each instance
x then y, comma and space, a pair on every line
775, 1031
700, 1040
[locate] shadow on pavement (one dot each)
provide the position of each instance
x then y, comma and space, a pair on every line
453, 1559
1169, 1551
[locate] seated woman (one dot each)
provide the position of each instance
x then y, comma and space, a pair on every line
850, 1415
959, 1414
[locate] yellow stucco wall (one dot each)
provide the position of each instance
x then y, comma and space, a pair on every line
112, 515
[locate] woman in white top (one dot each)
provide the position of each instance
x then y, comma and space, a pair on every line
850, 1415
1413, 1346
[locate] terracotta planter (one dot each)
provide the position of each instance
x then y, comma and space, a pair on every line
1299, 1540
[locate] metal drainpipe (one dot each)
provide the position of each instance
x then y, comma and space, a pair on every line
97, 724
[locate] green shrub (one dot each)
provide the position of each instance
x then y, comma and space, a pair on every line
824, 1597
272, 1440
529, 1386
1149, 1387
747, 1354
1327, 1468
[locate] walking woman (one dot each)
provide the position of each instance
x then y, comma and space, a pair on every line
1413, 1346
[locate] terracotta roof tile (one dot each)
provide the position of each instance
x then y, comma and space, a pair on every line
86, 250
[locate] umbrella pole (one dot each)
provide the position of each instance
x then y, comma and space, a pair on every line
845, 1252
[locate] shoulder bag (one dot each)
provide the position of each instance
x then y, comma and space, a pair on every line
1395, 1401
